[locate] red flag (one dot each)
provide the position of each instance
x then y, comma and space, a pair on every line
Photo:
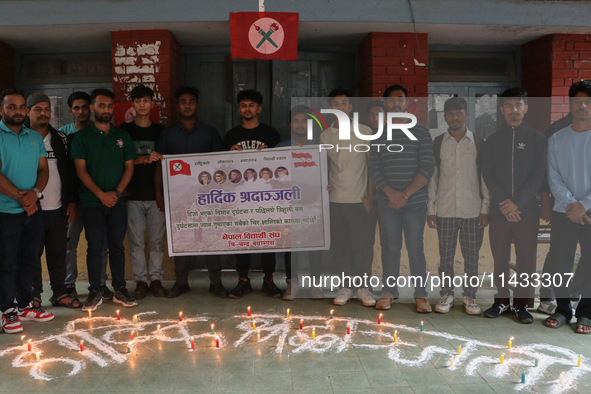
264, 35
306, 160
179, 167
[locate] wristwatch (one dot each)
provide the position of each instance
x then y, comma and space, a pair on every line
38, 193
118, 193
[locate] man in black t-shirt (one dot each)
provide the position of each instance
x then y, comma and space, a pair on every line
252, 135
142, 209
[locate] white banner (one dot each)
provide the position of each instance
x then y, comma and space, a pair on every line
270, 200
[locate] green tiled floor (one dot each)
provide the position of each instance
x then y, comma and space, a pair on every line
367, 362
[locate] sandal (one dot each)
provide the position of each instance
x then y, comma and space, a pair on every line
583, 321
559, 318
70, 304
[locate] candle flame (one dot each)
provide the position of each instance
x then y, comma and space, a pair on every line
512, 338
29, 340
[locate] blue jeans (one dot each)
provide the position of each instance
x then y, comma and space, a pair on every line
393, 223
113, 220
21, 236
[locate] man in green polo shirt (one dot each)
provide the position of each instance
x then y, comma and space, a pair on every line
104, 157
24, 173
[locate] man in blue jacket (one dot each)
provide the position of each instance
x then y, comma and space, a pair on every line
514, 167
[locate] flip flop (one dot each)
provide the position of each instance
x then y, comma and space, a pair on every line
70, 304
559, 318
583, 321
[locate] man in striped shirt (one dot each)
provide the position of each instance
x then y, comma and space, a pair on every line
400, 178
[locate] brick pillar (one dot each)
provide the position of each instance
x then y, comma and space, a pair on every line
149, 57
550, 65
6, 66
395, 58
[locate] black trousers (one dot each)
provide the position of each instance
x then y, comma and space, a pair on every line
55, 242
213, 263
563, 240
243, 264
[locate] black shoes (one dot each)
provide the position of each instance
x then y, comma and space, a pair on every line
522, 314
178, 289
218, 289
157, 289
92, 302
141, 290
243, 287
271, 289
496, 310
122, 297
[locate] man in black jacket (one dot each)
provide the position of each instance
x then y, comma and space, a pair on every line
58, 203
514, 168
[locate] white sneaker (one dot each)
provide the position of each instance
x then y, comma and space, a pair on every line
366, 297
547, 307
317, 293
444, 304
472, 308
343, 295
291, 291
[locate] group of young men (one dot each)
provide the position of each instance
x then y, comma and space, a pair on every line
107, 180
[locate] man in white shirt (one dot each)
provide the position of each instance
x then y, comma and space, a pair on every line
462, 200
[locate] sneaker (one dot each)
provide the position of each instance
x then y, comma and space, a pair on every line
470, 305
366, 297
243, 287
445, 304
343, 295
122, 297
385, 301
92, 302
317, 293
141, 290
271, 288
178, 289
522, 314
423, 305
496, 310
10, 322
32, 313
106, 293
548, 307
291, 291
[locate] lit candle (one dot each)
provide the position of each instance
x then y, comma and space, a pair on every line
129, 347
422, 326
395, 336
22, 340
451, 362
301, 324
248, 309
90, 314
348, 329
313, 333
192, 343
217, 342
158, 329
258, 335
131, 336
380, 318
118, 315
180, 316
579, 362
287, 313
331, 313
536, 363
523, 377
279, 342
135, 319
212, 330
561, 379
503, 358
38, 356
29, 345
510, 344
73, 327
254, 325
81, 346
460, 349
